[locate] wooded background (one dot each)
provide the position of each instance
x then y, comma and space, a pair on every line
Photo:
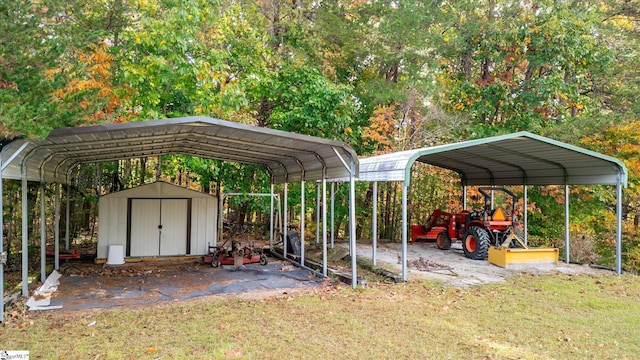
380, 75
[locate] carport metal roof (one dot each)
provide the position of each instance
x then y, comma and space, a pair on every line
520, 158
513, 159
287, 156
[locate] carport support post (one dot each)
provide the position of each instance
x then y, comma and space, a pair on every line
352, 224
2, 253
566, 223
285, 220
492, 197
333, 210
464, 197
220, 219
619, 227
524, 212
374, 223
25, 236
67, 216
270, 219
56, 230
404, 232
324, 225
317, 212
43, 236
302, 215
1, 249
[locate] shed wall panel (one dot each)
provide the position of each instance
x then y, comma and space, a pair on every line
120, 236
112, 226
104, 230
198, 233
212, 222
203, 220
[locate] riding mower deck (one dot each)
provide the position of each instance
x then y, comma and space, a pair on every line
219, 255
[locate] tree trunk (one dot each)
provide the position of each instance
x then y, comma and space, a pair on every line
388, 232
394, 209
127, 173
159, 168
143, 169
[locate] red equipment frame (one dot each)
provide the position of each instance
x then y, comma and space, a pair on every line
218, 256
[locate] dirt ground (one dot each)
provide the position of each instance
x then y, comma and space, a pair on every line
425, 261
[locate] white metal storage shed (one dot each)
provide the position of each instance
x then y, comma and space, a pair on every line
157, 219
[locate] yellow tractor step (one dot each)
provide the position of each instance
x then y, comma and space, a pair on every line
505, 257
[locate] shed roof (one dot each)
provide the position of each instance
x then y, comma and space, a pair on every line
287, 156
513, 159
157, 189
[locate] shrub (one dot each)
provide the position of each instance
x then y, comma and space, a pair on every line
582, 248
631, 258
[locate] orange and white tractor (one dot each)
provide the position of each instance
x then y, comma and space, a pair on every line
484, 233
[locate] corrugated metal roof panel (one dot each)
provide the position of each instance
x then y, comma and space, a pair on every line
513, 159
284, 154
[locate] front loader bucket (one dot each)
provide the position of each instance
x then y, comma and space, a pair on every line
509, 257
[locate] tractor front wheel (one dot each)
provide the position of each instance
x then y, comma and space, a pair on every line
476, 243
443, 241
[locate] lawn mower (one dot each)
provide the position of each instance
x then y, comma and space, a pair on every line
219, 255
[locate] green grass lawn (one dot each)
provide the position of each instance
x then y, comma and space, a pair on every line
528, 317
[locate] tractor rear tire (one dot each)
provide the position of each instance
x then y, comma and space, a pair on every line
476, 243
443, 241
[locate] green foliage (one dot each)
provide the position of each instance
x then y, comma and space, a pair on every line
204, 171
309, 104
244, 178
631, 256
433, 189
29, 49
159, 59
620, 82
521, 66
382, 76
546, 215
189, 58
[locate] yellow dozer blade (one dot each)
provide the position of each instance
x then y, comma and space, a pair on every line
506, 257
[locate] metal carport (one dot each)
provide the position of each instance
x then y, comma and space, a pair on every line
288, 157
520, 158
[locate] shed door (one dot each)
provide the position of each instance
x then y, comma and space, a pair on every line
173, 235
158, 227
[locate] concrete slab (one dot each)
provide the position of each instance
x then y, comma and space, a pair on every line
426, 261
